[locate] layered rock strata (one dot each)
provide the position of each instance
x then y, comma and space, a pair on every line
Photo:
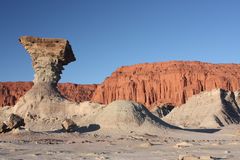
153, 84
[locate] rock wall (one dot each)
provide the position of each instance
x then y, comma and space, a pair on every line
169, 82
10, 92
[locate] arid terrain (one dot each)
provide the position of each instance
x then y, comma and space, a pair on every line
168, 111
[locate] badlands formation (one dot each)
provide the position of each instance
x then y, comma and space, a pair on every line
213, 109
48, 125
154, 84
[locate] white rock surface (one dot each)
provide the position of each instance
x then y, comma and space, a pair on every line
208, 110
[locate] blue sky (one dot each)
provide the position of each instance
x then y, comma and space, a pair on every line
107, 34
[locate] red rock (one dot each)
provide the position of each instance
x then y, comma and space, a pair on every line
77, 92
169, 82
10, 92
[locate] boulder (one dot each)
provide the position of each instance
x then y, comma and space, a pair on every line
3, 127
15, 121
69, 125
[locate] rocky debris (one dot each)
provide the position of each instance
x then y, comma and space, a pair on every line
207, 110
10, 92
163, 110
3, 127
15, 121
173, 82
69, 125
145, 145
192, 157
183, 145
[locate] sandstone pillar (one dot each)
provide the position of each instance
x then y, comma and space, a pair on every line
48, 58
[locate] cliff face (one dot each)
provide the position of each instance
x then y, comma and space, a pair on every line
150, 84
169, 82
10, 92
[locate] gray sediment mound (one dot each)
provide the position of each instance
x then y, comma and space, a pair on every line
129, 115
213, 109
237, 97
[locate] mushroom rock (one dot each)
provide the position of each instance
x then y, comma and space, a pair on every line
48, 58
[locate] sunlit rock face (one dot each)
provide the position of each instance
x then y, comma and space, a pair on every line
48, 58
153, 84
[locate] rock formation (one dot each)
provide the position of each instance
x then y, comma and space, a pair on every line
77, 92
10, 92
237, 97
212, 109
48, 58
129, 116
174, 82
163, 110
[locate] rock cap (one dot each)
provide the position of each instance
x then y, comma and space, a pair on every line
58, 48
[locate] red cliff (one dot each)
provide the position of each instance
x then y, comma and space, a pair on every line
10, 92
168, 82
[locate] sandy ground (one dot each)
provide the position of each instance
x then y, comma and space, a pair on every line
124, 130
96, 145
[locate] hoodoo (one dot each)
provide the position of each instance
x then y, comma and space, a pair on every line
48, 58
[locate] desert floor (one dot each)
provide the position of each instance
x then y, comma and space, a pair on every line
25, 144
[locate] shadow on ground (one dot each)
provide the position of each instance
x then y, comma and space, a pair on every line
83, 129
202, 130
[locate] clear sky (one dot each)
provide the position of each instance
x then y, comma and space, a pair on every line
107, 34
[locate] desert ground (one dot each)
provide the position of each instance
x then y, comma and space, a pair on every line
22, 144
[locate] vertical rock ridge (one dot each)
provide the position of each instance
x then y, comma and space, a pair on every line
168, 82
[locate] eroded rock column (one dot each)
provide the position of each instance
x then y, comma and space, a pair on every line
48, 58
